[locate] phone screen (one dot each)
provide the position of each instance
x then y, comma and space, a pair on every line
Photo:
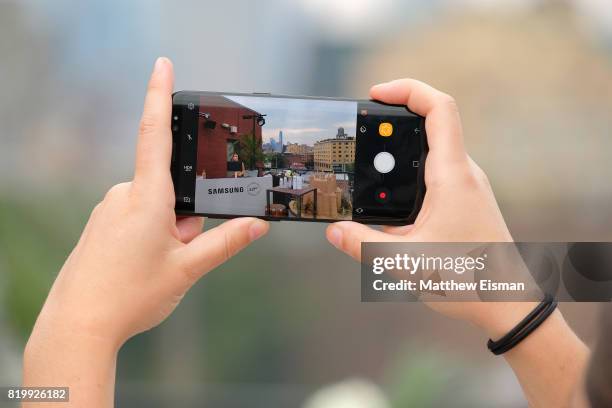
294, 158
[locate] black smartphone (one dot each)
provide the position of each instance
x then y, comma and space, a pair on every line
296, 158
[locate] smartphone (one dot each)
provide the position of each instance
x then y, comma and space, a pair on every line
296, 158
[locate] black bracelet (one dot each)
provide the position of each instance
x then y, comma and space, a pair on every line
531, 322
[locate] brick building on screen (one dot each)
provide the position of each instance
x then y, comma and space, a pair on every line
221, 125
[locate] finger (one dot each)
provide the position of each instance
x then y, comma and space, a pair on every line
347, 236
442, 121
212, 248
189, 228
154, 147
400, 230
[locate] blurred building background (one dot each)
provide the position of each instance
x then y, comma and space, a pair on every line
533, 80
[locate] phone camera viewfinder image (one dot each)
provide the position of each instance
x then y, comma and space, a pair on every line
307, 159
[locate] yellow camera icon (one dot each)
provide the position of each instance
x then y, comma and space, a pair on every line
385, 129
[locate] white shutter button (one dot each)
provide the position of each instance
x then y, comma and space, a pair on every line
384, 162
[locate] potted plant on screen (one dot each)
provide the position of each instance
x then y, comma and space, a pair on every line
251, 153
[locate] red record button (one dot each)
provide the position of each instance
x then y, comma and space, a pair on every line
382, 195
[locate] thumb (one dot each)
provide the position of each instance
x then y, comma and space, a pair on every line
347, 236
212, 248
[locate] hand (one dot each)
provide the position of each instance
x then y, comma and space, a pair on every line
135, 261
131, 267
459, 205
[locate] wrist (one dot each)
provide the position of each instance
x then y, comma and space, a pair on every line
72, 321
65, 334
64, 358
498, 318
58, 344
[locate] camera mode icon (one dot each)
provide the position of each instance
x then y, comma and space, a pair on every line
385, 129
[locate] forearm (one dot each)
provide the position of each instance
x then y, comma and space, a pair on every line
549, 363
86, 365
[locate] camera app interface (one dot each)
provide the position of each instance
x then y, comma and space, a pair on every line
275, 157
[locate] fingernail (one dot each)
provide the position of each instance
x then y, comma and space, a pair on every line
335, 237
381, 85
257, 229
159, 62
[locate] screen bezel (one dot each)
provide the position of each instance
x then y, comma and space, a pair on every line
188, 124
